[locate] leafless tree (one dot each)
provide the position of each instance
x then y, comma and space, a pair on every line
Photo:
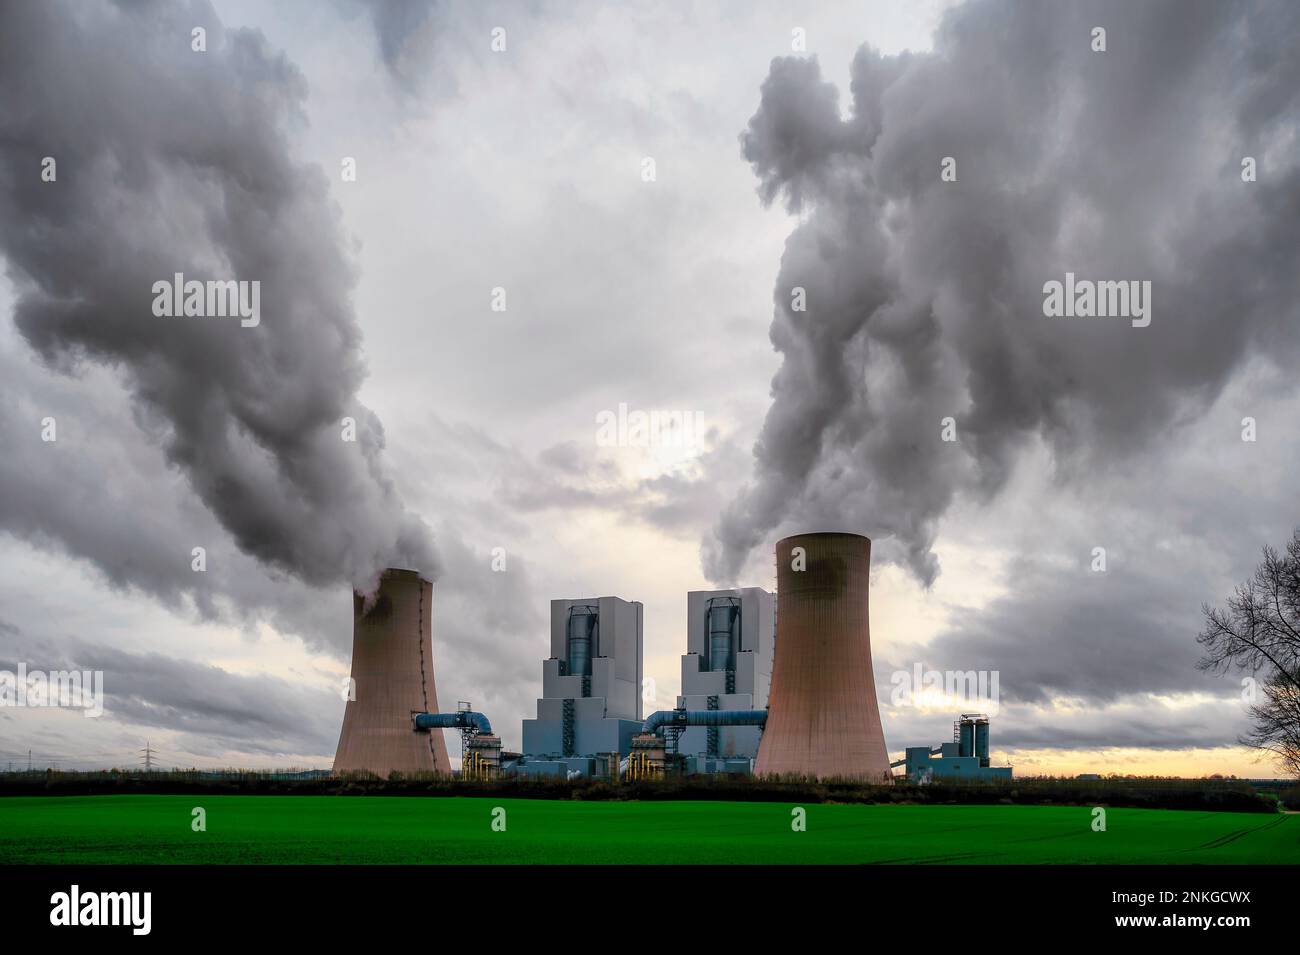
1259, 632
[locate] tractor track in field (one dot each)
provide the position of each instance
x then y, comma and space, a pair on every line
926, 860
1239, 833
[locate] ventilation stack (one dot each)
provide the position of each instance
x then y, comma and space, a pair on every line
392, 673
823, 718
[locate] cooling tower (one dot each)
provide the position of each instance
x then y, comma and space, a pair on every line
823, 719
392, 666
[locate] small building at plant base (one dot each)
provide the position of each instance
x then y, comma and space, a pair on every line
966, 757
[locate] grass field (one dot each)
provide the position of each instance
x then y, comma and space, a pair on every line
376, 829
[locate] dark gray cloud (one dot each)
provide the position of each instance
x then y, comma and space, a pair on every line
1075, 634
1175, 537
171, 160
1145, 726
101, 493
1137, 721
212, 710
924, 297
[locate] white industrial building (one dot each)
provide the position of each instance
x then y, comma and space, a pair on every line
591, 686
730, 635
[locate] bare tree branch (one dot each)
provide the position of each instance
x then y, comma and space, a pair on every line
1260, 631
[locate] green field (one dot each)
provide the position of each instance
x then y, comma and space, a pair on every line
377, 829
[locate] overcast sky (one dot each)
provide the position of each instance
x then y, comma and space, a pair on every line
790, 150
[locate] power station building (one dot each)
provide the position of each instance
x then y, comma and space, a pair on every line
727, 666
776, 685
591, 688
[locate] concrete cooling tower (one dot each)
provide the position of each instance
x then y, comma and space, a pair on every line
392, 666
823, 719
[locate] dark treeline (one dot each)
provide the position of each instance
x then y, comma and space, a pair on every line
1150, 793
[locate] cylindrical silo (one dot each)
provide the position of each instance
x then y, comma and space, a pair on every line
982, 740
823, 719
392, 672
966, 737
724, 632
581, 635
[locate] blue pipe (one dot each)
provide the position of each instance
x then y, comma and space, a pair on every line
460, 720
662, 718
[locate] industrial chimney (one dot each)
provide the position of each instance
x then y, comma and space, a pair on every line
823, 719
392, 672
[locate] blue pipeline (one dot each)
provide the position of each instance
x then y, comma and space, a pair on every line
460, 720
662, 718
